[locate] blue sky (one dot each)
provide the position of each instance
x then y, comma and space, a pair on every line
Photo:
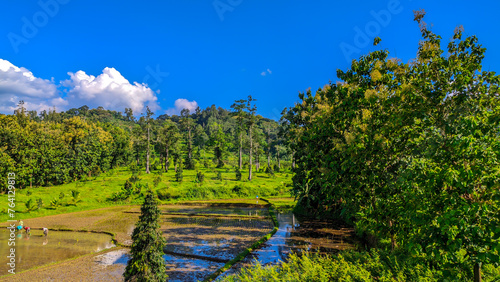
174, 54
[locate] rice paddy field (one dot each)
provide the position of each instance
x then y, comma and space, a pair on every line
205, 225
200, 239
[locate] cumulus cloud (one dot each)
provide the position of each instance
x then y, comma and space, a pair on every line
266, 72
18, 83
110, 90
181, 104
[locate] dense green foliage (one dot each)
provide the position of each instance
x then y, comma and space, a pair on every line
146, 262
56, 148
51, 153
408, 151
350, 266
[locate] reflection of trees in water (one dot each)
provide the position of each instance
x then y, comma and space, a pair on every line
311, 235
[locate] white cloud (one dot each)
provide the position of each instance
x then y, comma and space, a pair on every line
18, 83
181, 104
110, 90
266, 72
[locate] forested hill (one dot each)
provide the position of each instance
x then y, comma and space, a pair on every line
51, 148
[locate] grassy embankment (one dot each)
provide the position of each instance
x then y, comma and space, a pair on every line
96, 192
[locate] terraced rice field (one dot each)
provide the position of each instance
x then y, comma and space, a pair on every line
212, 237
200, 239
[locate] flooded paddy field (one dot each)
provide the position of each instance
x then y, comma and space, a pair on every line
297, 235
178, 268
212, 237
113, 219
203, 209
196, 245
36, 250
200, 239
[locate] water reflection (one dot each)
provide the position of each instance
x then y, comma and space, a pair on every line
299, 234
215, 210
178, 268
34, 250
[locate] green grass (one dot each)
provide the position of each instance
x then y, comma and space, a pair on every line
353, 266
95, 192
282, 204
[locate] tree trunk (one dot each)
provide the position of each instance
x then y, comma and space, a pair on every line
147, 155
279, 161
477, 272
241, 154
189, 144
250, 158
268, 157
166, 160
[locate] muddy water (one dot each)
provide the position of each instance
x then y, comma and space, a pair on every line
212, 237
299, 235
206, 242
210, 240
217, 210
178, 268
36, 250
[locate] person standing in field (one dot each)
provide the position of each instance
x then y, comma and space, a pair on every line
45, 231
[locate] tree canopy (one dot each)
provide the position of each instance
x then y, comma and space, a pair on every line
407, 151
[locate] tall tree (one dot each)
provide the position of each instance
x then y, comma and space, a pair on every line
129, 114
280, 150
149, 120
269, 129
239, 113
21, 114
139, 143
218, 142
251, 121
258, 144
200, 139
188, 126
168, 138
146, 262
